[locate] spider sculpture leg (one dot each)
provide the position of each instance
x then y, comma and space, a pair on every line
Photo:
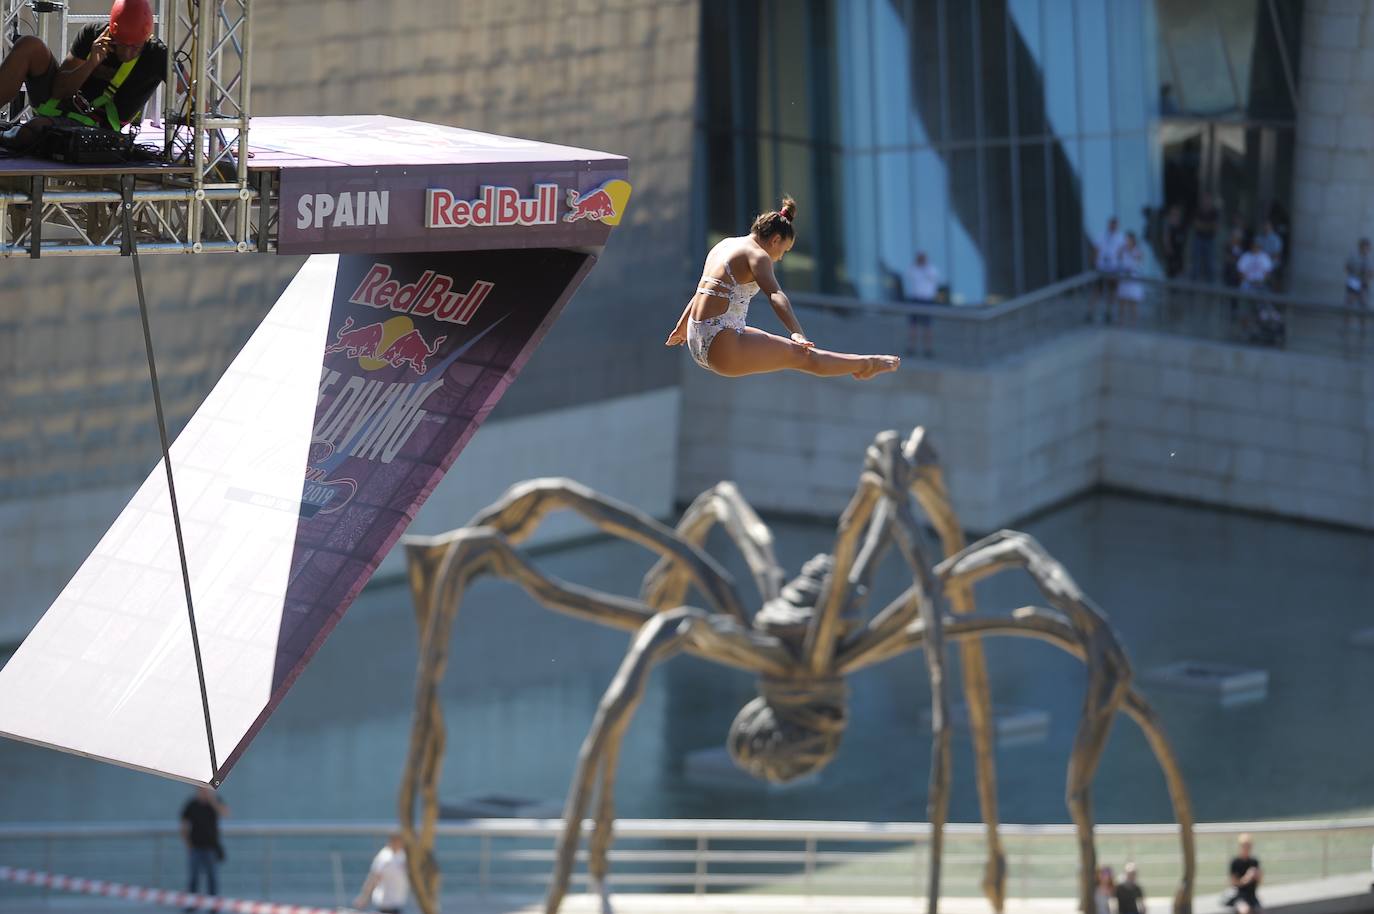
661, 637
524, 505
911, 466
440, 569
1051, 626
1144, 716
1109, 671
892, 522
665, 585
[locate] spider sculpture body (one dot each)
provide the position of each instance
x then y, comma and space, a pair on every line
808, 635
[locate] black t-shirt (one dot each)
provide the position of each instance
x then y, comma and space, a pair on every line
137, 87
1205, 222
1239, 867
1128, 896
204, 820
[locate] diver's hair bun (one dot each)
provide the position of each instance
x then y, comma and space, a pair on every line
777, 222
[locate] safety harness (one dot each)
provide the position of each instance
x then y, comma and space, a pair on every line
103, 103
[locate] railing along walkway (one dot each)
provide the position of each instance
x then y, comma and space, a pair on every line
324, 863
979, 335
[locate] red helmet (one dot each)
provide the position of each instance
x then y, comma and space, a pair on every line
131, 21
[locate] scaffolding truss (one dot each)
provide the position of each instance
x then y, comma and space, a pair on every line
202, 197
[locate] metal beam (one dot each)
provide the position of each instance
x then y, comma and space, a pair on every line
209, 204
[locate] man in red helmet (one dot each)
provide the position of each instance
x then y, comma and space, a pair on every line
111, 72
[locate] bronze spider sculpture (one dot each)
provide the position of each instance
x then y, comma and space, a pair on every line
808, 635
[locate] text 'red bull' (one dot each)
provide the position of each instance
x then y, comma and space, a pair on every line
431, 295
495, 206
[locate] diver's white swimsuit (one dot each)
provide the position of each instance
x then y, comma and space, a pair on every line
700, 334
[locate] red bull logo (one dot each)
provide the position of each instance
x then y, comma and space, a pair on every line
604, 204
431, 295
395, 342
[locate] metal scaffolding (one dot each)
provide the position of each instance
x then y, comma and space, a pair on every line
202, 197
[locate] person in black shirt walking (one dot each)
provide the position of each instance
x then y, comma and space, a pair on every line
200, 830
1130, 897
1245, 879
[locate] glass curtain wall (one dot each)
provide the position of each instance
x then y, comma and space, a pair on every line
1228, 74
997, 136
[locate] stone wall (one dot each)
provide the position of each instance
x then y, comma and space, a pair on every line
1334, 171
1234, 426
1281, 433
1013, 439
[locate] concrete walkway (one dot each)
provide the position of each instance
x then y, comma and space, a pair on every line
1350, 894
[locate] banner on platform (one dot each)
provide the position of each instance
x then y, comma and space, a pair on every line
295, 477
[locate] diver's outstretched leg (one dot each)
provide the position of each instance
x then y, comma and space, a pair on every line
752, 351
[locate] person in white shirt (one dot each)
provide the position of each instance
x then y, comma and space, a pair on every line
388, 883
1107, 261
1253, 268
920, 285
1130, 291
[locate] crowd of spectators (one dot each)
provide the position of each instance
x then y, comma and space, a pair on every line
1126, 896
1199, 245
1251, 258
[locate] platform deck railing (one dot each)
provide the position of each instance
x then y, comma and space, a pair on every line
324, 863
982, 334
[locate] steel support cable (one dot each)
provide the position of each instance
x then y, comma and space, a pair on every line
132, 247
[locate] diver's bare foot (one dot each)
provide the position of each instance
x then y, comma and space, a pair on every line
875, 365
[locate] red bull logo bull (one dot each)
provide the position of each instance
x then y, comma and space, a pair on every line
411, 349
359, 343
400, 344
604, 204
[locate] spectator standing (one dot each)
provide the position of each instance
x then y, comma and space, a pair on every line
1130, 291
1105, 893
1271, 243
388, 883
1206, 220
1253, 269
200, 830
1245, 878
1235, 250
1130, 897
1254, 266
920, 285
1174, 239
1359, 273
1107, 261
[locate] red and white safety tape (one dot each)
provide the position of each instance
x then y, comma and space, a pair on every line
155, 896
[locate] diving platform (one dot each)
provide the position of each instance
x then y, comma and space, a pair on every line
346, 184
438, 260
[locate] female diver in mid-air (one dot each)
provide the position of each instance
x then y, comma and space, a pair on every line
712, 324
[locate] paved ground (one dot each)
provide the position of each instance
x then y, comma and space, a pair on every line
1350, 894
